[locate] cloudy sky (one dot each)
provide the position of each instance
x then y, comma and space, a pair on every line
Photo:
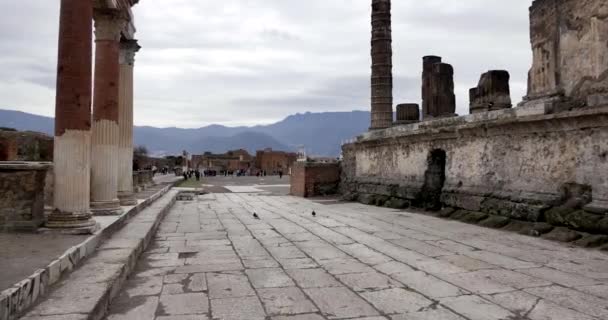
236, 62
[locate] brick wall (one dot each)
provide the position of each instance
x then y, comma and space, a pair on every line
314, 179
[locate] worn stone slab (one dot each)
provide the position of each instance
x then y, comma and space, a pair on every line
569, 298
140, 308
396, 300
223, 285
433, 314
268, 278
476, 308
340, 302
428, 285
245, 308
367, 281
313, 278
187, 303
285, 301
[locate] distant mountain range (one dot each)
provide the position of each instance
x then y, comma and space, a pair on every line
320, 133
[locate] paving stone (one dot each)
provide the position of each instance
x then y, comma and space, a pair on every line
476, 283
422, 247
436, 314
286, 252
141, 308
512, 278
517, 302
572, 299
476, 308
467, 263
300, 263
187, 303
285, 301
245, 308
549, 311
185, 317
199, 268
393, 267
364, 254
260, 263
560, 277
313, 278
223, 285
428, 285
175, 278
598, 290
344, 266
313, 316
340, 302
268, 278
396, 300
197, 283
325, 252
501, 260
367, 281
144, 287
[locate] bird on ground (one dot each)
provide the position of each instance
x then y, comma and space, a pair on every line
255, 216
314, 214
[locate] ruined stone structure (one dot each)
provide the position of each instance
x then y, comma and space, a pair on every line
570, 53
310, 179
382, 65
438, 99
492, 92
407, 113
543, 161
85, 162
22, 195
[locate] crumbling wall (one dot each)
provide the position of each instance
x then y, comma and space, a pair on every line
517, 167
310, 179
570, 51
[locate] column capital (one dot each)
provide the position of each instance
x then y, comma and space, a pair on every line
128, 48
109, 24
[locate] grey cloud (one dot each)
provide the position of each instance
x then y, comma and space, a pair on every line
252, 61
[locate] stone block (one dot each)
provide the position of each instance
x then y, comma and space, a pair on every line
583, 221
474, 217
494, 221
397, 203
492, 92
592, 241
563, 235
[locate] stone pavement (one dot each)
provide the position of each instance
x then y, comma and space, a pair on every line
212, 260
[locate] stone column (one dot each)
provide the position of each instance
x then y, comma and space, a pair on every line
407, 113
382, 65
128, 48
72, 147
492, 92
104, 151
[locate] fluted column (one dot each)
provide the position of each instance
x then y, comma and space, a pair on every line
73, 119
382, 65
128, 48
104, 150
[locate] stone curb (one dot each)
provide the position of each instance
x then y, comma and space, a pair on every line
24, 294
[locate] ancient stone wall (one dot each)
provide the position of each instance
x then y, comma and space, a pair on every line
311, 179
517, 163
570, 52
22, 195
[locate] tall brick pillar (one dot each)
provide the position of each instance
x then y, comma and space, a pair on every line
104, 150
72, 147
382, 65
128, 48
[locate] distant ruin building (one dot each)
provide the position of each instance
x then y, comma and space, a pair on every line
570, 53
382, 65
438, 99
492, 92
407, 113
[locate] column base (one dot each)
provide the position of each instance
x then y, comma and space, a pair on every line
106, 208
127, 198
70, 223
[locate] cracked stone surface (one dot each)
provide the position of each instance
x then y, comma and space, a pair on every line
212, 260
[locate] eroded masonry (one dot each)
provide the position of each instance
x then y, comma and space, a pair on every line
545, 160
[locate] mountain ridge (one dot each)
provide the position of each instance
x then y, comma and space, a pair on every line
320, 133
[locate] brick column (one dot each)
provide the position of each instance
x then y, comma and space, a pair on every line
72, 145
382, 65
104, 151
128, 48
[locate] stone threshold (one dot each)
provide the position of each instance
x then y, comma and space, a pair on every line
139, 222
